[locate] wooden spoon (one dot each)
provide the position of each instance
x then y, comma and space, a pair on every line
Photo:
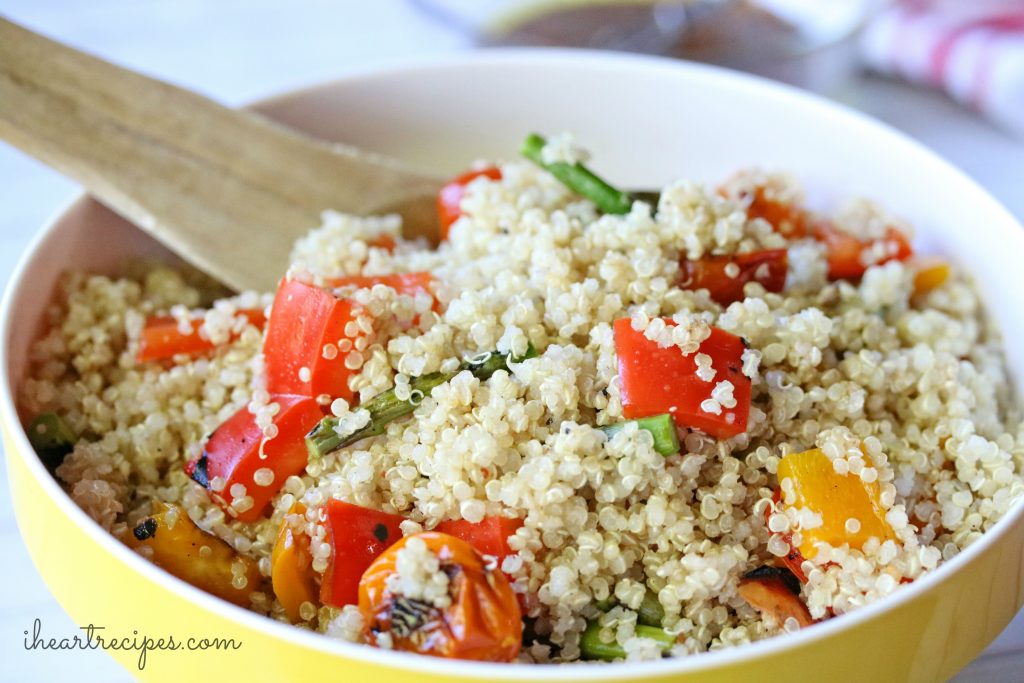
227, 190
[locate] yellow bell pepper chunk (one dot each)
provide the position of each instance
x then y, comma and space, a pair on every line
837, 498
930, 273
291, 571
195, 556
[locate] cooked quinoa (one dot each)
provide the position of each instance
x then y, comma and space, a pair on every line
908, 392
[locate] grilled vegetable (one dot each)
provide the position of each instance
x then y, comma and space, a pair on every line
847, 254
725, 276
304, 322
291, 570
176, 544
357, 536
775, 592
578, 178
787, 219
163, 338
594, 646
481, 622
238, 453
838, 498
387, 407
488, 537
649, 613
409, 284
449, 199
51, 438
929, 273
661, 427
659, 380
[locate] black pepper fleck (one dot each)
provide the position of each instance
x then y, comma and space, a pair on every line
380, 532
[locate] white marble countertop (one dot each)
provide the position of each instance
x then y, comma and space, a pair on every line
242, 49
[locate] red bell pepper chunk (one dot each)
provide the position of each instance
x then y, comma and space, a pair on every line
786, 219
767, 267
233, 453
357, 535
383, 241
303, 321
845, 252
488, 537
657, 380
449, 199
162, 337
409, 284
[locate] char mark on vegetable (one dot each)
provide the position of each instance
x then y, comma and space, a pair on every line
145, 530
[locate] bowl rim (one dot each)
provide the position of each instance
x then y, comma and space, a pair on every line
412, 663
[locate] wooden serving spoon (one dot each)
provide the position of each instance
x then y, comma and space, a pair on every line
228, 190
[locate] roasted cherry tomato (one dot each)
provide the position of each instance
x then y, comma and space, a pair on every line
481, 622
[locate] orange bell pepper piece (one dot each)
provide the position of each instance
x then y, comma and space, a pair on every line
929, 273
837, 498
195, 556
291, 568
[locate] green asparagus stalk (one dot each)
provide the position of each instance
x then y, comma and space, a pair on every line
650, 612
592, 647
51, 438
579, 178
662, 428
387, 407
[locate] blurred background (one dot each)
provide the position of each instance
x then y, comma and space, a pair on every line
947, 72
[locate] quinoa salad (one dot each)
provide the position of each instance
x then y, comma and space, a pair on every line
588, 424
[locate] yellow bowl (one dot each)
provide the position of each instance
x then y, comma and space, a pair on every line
647, 120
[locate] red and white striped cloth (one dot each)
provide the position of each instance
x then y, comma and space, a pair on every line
973, 49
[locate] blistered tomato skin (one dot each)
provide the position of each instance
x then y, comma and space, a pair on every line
483, 622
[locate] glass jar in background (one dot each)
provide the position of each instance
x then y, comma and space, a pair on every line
775, 38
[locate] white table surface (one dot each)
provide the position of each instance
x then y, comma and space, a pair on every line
239, 50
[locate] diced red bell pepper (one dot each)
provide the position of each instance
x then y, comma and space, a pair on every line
162, 337
409, 284
787, 219
403, 283
657, 380
357, 535
767, 267
449, 199
233, 453
383, 241
303, 321
845, 252
488, 537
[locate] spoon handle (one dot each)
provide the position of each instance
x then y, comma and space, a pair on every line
226, 189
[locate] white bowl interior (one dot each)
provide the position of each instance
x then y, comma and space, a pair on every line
647, 121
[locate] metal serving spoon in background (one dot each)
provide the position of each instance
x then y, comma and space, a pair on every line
226, 189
